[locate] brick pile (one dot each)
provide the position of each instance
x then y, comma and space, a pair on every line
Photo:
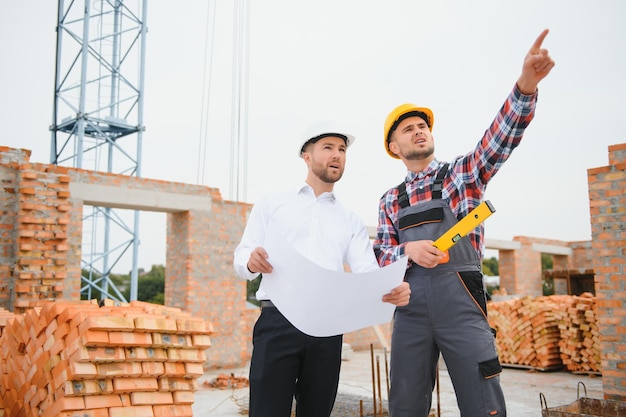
81, 359
580, 336
527, 332
547, 332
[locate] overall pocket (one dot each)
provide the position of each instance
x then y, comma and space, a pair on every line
433, 215
473, 281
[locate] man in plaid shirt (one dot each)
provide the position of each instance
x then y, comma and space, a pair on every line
447, 311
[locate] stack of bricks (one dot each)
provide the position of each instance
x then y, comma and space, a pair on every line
5, 317
81, 359
527, 332
580, 337
548, 332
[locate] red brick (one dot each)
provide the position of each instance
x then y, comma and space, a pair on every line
191, 325
171, 340
130, 385
152, 398
64, 404
177, 410
176, 369
183, 397
155, 324
178, 384
139, 411
88, 387
130, 339
119, 369
201, 341
153, 368
186, 355
193, 370
106, 322
99, 412
98, 354
145, 354
103, 401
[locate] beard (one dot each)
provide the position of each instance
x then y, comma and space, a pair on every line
325, 174
419, 155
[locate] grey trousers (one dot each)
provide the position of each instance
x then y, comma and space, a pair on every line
444, 316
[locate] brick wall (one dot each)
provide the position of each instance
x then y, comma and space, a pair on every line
10, 160
36, 213
607, 206
200, 277
520, 269
582, 255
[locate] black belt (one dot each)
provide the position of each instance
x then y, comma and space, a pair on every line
267, 303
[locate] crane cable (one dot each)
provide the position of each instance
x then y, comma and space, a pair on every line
240, 94
239, 136
209, 41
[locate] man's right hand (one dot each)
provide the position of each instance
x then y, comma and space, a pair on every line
423, 253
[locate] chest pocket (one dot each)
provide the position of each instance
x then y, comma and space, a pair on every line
433, 215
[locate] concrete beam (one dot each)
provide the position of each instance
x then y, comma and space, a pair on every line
137, 199
502, 244
552, 249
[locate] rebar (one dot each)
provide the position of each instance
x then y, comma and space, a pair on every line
373, 377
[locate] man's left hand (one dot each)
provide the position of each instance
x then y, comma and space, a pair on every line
399, 296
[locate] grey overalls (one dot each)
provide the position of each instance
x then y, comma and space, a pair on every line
447, 314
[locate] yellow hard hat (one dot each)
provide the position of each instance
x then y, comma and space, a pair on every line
402, 112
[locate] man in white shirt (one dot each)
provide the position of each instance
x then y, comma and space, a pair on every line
287, 363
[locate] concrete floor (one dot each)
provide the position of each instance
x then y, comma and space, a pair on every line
522, 388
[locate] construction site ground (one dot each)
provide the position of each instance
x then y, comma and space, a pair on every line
522, 388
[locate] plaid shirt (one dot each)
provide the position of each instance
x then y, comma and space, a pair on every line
467, 177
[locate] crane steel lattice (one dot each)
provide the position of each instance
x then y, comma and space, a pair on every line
98, 122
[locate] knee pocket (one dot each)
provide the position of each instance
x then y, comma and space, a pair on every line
490, 368
494, 404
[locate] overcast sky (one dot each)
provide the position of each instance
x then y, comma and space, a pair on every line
355, 60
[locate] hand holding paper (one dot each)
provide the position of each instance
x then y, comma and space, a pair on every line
321, 302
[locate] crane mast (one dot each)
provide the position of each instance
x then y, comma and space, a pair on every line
97, 123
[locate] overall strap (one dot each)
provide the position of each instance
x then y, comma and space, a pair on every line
403, 198
438, 185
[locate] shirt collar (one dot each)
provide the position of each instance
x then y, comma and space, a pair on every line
431, 169
308, 190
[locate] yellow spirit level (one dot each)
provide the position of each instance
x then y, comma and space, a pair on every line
463, 227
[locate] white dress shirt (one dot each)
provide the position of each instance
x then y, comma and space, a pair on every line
319, 228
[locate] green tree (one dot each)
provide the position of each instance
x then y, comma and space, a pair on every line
93, 293
150, 286
251, 289
548, 281
490, 266
546, 261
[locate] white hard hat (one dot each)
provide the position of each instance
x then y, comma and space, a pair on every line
321, 129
